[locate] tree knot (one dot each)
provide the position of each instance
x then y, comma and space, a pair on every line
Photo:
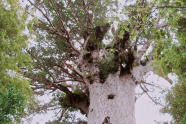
106, 120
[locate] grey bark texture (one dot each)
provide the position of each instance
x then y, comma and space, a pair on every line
113, 101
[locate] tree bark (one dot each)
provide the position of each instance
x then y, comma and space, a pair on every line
113, 101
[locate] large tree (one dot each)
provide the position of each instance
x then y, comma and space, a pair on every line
72, 58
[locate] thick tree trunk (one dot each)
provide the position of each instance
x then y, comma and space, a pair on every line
113, 101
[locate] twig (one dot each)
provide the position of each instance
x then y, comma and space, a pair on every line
63, 26
60, 118
42, 65
146, 91
171, 7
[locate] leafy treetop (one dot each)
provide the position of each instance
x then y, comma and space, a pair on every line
70, 53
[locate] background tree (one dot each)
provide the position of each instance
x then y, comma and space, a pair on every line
13, 57
173, 58
72, 58
175, 102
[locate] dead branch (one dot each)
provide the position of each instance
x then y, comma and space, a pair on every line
145, 90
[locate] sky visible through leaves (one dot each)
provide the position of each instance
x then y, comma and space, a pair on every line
146, 111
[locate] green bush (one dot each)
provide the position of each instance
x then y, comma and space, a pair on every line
11, 105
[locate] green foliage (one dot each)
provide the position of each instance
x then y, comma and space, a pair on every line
176, 102
66, 103
53, 49
169, 44
13, 58
169, 56
67, 21
12, 105
12, 43
77, 91
183, 121
12, 39
170, 51
109, 64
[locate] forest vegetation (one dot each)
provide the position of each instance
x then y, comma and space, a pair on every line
90, 55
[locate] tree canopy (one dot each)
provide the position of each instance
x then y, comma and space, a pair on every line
13, 60
12, 44
173, 55
71, 53
173, 58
